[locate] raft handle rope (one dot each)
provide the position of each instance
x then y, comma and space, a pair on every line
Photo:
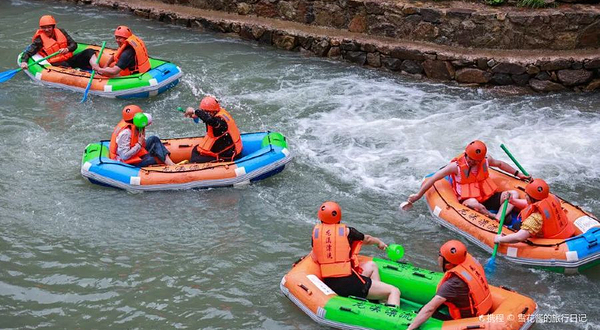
528, 242
303, 287
420, 275
346, 309
525, 310
217, 164
474, 327
391, 267
111, 162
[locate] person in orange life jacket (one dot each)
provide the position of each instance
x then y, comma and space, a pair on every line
50, 39
130, 58
128, 143
471, 181
463, 289
223, 141
541, 215
335, 248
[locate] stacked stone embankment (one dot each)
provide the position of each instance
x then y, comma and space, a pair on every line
544, 50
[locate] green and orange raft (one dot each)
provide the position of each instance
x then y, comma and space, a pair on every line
162, 76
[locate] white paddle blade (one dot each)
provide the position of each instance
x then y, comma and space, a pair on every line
406, 206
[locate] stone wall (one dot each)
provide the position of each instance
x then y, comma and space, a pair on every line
530, 70
447, 23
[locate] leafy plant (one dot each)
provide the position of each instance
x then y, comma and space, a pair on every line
495, 2
533, 3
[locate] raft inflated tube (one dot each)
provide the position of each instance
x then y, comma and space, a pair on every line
577, 253
304, 286
161, 77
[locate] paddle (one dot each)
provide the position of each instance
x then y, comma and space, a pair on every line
514, 160
196, 119
395, 252
7, 75
87, 89
406, 206
490, 266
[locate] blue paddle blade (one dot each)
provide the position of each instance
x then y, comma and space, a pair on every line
6, 75
490, 266
87, 88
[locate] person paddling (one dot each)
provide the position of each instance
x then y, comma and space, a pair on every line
471, 180
49, 39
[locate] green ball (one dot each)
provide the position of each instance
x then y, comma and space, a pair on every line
140, 120
395, 252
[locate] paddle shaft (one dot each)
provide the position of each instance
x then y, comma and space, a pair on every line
45, 58
502, 216
89, 85
514, 160
7, 75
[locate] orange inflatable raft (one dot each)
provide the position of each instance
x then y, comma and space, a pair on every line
162, 76
303, 286
561, 255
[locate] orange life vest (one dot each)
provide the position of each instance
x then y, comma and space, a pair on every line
556, 223
204, 148
142, 61
51, 46
112, 148
480, 186
480, 297
332, 251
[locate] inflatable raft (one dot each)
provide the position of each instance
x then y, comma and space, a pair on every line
162, 76
303, 286
561, 255
264, 154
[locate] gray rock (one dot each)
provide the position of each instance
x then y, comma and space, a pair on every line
438, 69
391, 63
320, 48
374, 59
510, 68
593, 64
407, 54
574, 77
543, 76
357, 57
411, 66
595, 84
521, 79
430, 15
545, 86
501, 79
554, 65
470, 75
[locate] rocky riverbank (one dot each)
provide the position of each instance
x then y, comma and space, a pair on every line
569, 57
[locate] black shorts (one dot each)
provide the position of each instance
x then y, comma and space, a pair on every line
493, 203
81, 60
349, 286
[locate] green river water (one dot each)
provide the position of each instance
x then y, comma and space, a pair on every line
79, 256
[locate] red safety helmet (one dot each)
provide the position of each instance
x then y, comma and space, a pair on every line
210, 104
454, 252
476, 150
330, 213
123, 31
129, 112
47, 20
537, 189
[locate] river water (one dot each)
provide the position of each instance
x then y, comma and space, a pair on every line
79, 256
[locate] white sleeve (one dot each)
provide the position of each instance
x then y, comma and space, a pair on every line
124, 151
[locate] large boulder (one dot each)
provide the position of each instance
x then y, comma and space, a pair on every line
545, 86
574, 77
470, 75
435, 69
